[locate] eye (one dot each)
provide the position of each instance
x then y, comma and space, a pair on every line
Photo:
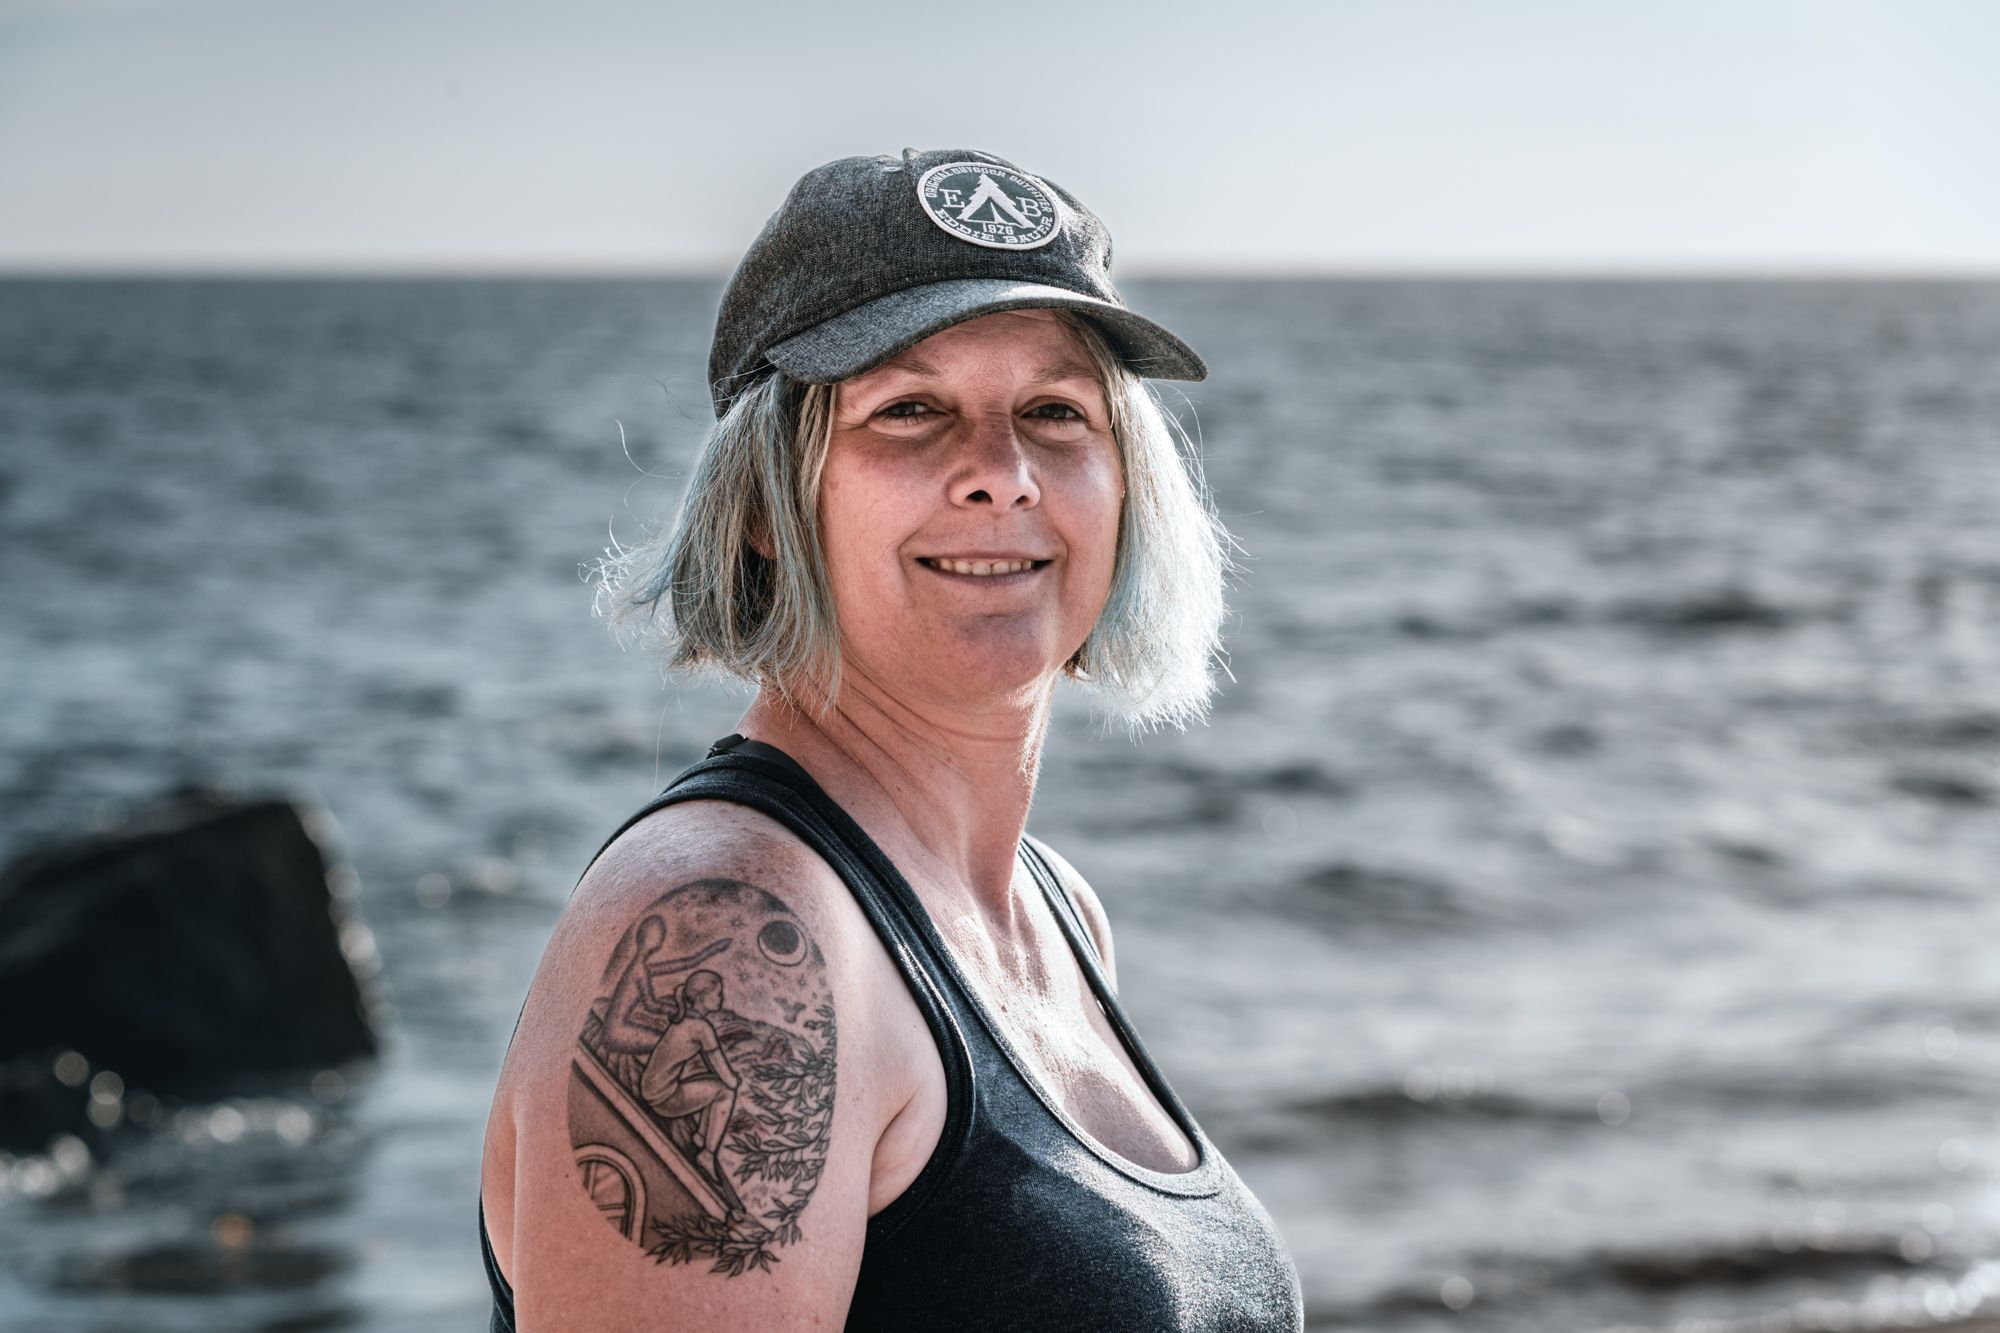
907, 409
1064, 410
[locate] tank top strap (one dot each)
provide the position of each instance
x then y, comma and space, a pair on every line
1035, 855
1070, 920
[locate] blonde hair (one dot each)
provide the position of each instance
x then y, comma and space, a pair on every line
737, 584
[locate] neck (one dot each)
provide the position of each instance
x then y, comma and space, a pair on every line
953, 781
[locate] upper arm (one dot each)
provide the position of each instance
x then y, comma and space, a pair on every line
615, 1217
1087, 907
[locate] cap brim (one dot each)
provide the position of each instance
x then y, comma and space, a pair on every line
868, 335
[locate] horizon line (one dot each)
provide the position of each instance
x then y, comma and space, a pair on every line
428, 270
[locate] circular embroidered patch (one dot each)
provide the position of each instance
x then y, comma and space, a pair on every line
989, 205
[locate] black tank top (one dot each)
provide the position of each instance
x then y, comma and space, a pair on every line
1020, 1220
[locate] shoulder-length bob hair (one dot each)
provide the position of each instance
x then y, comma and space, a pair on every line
738, 585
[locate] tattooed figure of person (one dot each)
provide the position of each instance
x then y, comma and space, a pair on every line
688, 1074
633, 1017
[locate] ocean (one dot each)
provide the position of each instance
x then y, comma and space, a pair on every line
1579, 913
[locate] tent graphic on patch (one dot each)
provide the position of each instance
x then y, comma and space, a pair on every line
998, 207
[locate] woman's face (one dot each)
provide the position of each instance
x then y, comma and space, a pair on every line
969, 509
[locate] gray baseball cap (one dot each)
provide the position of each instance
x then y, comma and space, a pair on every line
870, 255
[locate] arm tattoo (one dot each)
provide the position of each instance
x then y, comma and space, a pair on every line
701, 1090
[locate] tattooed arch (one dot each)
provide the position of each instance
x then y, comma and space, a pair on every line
701, 1092
616, 1185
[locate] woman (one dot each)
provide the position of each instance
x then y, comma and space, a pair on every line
937, 486
689, 1075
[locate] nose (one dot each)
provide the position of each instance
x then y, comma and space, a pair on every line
994, 468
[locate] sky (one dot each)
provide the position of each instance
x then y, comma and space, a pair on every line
1343, 136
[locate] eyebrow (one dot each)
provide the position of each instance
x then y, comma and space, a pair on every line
1061, 370
1066, 370
911, 362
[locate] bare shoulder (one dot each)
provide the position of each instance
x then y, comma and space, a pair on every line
1087, 906
678, 1135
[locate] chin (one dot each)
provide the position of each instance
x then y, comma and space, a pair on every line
1002, 670
1005, 680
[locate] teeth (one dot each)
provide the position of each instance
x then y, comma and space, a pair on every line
981, 568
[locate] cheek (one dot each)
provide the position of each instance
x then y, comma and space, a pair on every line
857, 510
1095, 496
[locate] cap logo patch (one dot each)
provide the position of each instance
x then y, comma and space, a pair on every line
989, 205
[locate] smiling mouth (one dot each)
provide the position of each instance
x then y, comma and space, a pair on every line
979, 569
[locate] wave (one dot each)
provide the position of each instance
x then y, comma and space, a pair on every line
1661, 1269
1133, 795
1468, 1095
1381, 1104
1517, 1291
1723, 608
1354, 893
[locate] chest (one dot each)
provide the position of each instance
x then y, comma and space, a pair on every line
1031, 989
1105, 1245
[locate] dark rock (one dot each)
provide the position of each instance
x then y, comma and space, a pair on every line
35, 1105
200, 944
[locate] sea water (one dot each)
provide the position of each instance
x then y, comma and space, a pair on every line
1578, 914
